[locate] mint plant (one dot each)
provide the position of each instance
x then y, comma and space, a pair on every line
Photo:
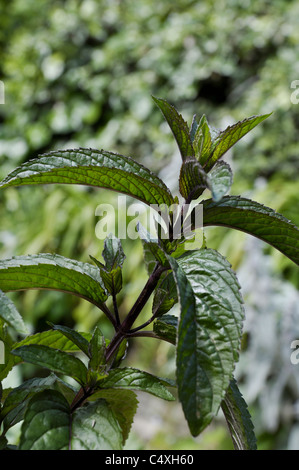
98, 412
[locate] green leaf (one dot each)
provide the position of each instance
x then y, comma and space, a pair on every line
112, 280
50, 425
53, 359
128, 378
68, 391
238, 418
50, 338
92, 167
209, 333
124, 405
158, 254
46, 423
113, 253
227, 138
193, 179
10, 315
7, 362
52, 272
97, 351
114, 257
166, 328
220, 180
202, 141
209, 272
255, 219
121, 353
74, 337
149, 259
178, 126
17, 400
53, 339
193, 128
165, 296
95, 427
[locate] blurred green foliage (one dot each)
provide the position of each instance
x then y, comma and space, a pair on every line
81, 73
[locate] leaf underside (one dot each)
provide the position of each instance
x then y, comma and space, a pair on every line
238, 418
220, 180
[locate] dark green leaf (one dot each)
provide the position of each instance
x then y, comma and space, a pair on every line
113, 253
124, 405
112, 280
153, 246
202, 141
209, 272
17, 400
114, 257
68, 391
178, 126
46, 423
97, 351
238, 418
53, 359
49, 425
232, 134
165, 296
209, 333
193, 128
52, 272
95, 427
128, 378
53, 339
50, 338
74, 337
196, 242
10, 315
92, 167
149, 259
121, 353
255, 219
193, 179
6, 358
166, 328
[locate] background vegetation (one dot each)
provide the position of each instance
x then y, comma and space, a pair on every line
81, 73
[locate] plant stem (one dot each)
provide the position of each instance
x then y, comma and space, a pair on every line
143, 297
116, 313
80, 398
134, 330
124, 329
